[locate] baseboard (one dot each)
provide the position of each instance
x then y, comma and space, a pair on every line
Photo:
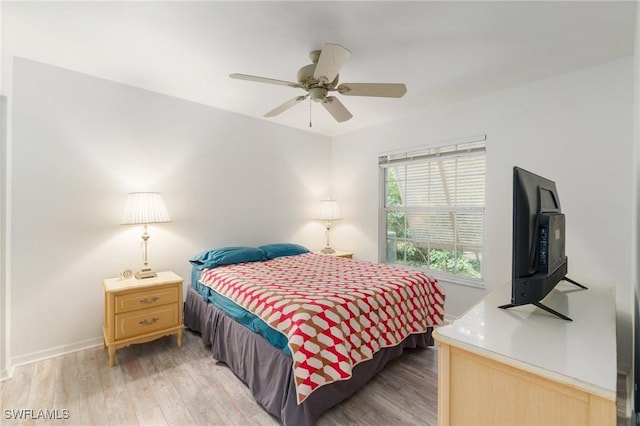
4, 375
54, 352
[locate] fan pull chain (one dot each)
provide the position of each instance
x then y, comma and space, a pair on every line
309, 112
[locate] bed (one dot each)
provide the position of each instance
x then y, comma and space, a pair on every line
304, 331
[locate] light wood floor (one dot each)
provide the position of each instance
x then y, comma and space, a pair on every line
157, 383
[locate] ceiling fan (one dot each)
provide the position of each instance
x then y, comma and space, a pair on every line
321, 77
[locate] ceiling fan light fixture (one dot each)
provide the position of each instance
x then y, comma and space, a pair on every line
307, 80
321, 77
318, 93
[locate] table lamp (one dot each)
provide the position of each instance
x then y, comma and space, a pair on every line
328, 210
144, 208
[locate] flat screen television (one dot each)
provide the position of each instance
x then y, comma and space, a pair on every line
539, 262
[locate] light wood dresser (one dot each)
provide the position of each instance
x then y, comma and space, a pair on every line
141, 310
524, 366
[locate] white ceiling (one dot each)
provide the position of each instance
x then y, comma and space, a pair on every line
443, 51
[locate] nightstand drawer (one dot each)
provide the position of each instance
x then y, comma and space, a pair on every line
146, 299
145, 321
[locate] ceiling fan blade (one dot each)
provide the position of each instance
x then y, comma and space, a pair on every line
336, 109
384, 90
263, 80
285, 106
332, 58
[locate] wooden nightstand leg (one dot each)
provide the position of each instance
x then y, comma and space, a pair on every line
112, 356
179, 338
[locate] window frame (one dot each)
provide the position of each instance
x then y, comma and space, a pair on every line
422, 154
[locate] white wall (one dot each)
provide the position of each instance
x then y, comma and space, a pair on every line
4, 289
4, 314
81, 143
632, 391
575, 129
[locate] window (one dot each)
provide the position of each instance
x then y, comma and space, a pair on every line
433, 209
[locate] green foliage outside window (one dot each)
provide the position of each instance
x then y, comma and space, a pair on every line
437, 259
409, 253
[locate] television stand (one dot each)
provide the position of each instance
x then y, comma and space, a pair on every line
551, 311
546, 308
569, 280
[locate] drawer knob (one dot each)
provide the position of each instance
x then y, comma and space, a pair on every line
146, 301
145, 322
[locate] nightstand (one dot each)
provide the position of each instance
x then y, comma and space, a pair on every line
141, 310
338, 253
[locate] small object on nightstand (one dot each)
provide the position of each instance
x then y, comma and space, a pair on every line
139, 311
338, 253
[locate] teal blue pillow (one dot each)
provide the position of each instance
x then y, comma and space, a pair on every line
282, 249
227, 256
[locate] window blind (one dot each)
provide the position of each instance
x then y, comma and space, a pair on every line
433, 206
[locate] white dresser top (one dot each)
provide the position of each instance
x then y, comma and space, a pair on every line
581, 353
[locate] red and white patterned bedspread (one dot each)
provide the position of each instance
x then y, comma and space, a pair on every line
335, 312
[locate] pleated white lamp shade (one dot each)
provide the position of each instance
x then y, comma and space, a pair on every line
145, 207
328, 210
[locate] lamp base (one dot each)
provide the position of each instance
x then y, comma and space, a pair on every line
327, 250
145, 273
